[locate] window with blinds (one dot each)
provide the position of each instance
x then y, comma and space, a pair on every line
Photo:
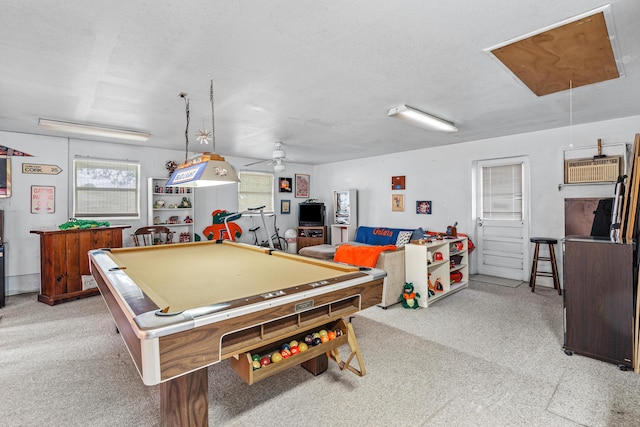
106, 189
255, 189
502, 192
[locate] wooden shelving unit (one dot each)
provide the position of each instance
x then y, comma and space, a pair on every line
311, 236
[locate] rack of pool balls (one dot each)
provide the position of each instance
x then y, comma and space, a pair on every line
294, 347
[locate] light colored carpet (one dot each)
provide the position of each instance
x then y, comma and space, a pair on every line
496, 280
485, 356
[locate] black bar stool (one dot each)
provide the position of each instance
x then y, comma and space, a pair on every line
551, 258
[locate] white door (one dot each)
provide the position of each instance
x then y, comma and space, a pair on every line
502, 227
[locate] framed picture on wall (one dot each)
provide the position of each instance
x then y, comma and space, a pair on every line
286, 185
285, 206
397, 203
423, 207
397, 182
302, 185
5, 176
43, 199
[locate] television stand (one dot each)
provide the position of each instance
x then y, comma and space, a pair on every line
311, 236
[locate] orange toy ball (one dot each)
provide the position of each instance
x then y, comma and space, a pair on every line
331, 335
324, 338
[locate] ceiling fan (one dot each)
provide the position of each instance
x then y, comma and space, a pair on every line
277, 159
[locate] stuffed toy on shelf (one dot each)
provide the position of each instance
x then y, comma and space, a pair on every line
409, 298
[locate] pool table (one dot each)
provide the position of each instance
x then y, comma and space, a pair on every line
183, 307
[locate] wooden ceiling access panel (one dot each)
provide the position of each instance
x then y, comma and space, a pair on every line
575, 54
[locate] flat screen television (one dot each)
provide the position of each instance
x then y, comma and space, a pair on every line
311, 214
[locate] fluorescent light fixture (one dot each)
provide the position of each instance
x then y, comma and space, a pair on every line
422, 119
85, 129
205, 170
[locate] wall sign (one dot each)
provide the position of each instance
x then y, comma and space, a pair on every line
41, 169
43, 199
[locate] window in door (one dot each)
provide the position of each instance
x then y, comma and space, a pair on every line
502, 192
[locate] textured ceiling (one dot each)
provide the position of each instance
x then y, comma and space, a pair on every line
318, 76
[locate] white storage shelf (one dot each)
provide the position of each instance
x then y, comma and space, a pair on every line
162, 215
423, 265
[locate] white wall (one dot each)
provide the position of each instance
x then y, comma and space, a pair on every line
22, 260
444, 176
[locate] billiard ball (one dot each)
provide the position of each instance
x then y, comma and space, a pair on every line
315, 335
324, 338
294, 350
338, 332
255, 357
285, 346
256, 364
276, 357
293, 343
322, 332
302, 347
331, 335
317, 341
308, 339
265, 360
285, 353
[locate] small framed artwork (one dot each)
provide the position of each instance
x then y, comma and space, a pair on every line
286, 185
397, 202
423, 207
285, 206
397, 182
302, 185
43, 199
5, 176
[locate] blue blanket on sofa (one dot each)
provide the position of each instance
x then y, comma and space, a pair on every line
381, 236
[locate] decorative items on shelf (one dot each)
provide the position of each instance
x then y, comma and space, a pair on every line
158, 189
173, 220
159, 204
188, 220
185, 237
185, 203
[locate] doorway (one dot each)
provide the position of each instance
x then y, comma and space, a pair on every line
502, 217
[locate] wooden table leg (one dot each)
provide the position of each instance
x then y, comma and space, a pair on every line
317, 365
184, 400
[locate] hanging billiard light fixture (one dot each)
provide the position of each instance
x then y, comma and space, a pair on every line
205, 169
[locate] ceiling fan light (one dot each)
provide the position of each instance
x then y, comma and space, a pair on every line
279, 154
279, 167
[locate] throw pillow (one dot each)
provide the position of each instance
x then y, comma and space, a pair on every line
403, 238
417, 234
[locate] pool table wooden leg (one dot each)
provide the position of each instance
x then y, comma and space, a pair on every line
317, 365
184, 400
